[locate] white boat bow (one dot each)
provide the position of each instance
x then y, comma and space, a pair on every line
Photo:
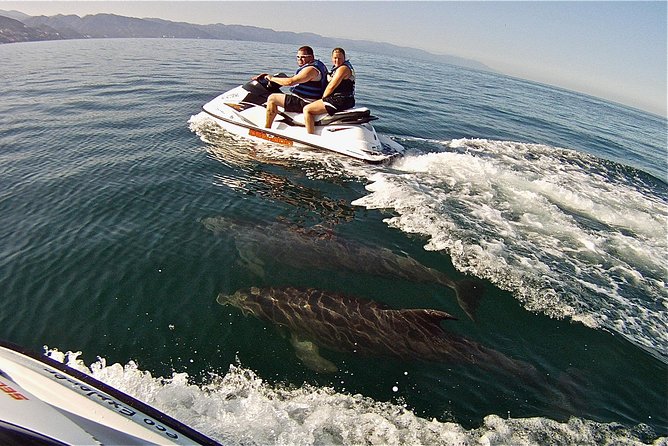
45, 402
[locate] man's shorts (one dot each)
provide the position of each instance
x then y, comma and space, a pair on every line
338, 102
294, 104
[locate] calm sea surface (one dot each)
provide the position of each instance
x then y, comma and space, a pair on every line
115, 198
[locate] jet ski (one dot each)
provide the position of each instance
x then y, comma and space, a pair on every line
242, 111
45, 402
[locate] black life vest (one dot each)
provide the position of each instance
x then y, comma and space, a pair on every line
347, 86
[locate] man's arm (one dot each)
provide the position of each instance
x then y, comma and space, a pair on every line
306, 75
339, 75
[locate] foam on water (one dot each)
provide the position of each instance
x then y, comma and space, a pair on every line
571, 235
567, 233
239, 408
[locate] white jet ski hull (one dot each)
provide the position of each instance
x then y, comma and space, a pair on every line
43, 401
350, 133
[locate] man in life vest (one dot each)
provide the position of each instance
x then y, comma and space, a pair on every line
339, 94
308, 84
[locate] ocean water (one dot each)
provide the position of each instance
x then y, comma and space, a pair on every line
113, 247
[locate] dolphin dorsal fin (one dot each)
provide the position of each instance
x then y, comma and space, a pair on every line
427, 318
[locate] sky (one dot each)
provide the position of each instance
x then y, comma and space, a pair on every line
610, 49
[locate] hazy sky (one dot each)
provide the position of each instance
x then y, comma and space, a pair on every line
615, 50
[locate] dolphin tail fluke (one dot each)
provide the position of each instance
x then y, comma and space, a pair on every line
469, 293
309, 354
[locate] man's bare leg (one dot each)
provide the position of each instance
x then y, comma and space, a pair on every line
312, 109
273, 102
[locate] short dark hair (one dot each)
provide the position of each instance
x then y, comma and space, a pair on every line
306, 49
339, 50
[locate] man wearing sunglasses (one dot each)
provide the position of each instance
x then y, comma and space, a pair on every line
308, 84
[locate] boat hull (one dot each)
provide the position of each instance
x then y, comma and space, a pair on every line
44, 400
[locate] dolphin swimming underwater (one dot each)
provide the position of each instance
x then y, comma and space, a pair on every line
317, 318
302, 248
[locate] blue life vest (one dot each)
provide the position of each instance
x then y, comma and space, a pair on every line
312, 89
347, 86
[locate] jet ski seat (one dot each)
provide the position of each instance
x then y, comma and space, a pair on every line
358, 115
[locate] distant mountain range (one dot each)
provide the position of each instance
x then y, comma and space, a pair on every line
16, 26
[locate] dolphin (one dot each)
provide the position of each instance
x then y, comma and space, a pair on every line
317, 318
318, 249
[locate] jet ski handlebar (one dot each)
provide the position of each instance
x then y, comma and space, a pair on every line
271, 86
260, 86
